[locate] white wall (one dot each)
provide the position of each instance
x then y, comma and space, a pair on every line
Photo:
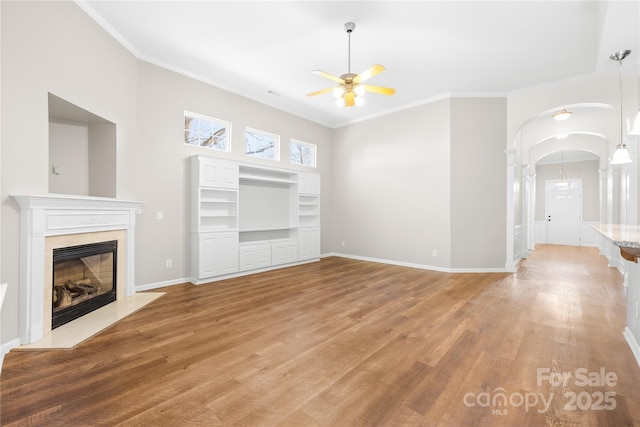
54, 47
163, 169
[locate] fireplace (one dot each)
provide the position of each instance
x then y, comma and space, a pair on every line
49, 222
84, 279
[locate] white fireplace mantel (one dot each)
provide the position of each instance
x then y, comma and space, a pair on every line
56, 215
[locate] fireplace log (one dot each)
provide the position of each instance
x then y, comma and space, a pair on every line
63, 296
65, 293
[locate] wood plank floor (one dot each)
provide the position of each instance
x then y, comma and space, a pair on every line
350, 343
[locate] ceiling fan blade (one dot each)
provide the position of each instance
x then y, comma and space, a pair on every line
328, 76
320, 92
349, 99
366, 75
379, 89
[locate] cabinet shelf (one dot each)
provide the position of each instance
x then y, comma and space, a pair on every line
252, 229
206, 200
274, 180
271, 175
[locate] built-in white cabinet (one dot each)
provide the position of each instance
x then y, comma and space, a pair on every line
284, 251
308, 243
216, 254
308, 210
254, 256
309, 183
247, 217
216, 173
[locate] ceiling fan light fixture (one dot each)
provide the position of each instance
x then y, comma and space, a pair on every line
562, 115
351, 89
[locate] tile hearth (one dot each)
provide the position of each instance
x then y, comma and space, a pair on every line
76, 332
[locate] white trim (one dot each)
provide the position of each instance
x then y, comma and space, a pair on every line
89, 10
43, 216
249, 272
633, 344
6, 348
548, 192
429, 100
156, 285
414, 265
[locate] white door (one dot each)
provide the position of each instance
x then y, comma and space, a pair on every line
564, 212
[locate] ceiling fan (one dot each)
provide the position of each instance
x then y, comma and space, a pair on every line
351, 89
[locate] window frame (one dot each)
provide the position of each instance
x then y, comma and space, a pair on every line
223, 124
276, 140
314, 152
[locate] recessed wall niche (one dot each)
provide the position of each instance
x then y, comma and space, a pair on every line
82, 151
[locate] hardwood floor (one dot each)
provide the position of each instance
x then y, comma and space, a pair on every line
350, 343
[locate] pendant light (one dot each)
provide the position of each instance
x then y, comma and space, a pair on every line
563, 175
636, 124
621, 155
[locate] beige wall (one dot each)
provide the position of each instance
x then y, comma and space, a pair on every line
478, 183
69, 155
54, 47
392, 187
163, 167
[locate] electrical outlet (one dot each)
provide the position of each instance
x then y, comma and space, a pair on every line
342, 244
159, 215
434, 252
169, 263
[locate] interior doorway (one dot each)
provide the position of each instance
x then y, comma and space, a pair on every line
563, 211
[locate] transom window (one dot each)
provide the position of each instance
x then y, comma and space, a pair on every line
302, 153
203, 131
563, 185
261, 144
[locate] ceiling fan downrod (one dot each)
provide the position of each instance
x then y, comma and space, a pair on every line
349, 26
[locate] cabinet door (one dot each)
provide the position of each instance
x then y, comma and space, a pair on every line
314, 247
309, 183
309, 242
283, 252
218, 173
255, 256
278, 253
291, 252
217, 254
304, 243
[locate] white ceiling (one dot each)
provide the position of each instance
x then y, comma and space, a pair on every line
267, 50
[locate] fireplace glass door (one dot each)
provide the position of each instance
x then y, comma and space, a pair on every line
84, 279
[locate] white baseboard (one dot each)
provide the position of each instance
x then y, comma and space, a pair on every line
248, 272
6, 348
633, 344
150, 286
420, 266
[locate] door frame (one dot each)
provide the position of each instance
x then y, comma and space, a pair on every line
547, 190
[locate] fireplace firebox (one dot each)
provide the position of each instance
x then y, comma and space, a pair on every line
84, 279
